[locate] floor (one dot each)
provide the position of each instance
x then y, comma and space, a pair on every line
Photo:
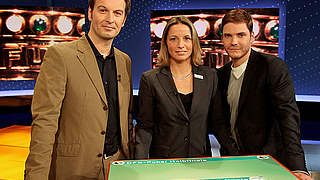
312, 151
14, 148
14, 143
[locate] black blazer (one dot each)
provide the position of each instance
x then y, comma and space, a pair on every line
268, 119
164, 130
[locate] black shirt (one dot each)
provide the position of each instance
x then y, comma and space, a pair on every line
108, 71
186, 101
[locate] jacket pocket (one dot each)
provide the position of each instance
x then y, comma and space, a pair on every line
68, 150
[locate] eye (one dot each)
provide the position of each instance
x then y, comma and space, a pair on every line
241, 35
118, 13
172, 38
226, 35
187, 38
102, 10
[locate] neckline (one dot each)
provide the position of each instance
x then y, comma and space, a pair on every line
184, 77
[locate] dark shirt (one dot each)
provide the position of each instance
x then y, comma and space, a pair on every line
186, 101
108, 73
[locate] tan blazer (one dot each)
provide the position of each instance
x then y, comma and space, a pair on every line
70, 113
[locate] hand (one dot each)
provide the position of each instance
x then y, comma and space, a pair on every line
303, 176
134, 135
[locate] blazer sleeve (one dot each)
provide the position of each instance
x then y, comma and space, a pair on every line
282, 93
219, 124
144, 127
46, 104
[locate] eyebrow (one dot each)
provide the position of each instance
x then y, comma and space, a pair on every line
235, 33
119, 10
177, 35
101, 6
104, 7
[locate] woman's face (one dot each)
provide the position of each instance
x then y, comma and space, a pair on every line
179, 42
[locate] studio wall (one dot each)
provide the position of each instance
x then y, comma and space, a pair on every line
299, 23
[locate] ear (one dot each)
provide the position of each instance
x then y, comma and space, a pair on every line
124, 20
252, 37
90, 14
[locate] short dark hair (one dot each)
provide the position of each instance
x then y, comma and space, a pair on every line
127, 9
237, 16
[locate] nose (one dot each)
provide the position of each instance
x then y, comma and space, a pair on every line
180, 43
109, 17
234, 41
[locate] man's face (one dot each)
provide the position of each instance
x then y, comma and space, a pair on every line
237, 40
107, 18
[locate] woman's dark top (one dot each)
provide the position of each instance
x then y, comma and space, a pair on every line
186, 101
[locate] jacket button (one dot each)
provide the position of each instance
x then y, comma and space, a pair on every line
105, 108
103, 132
187, 123
186, 139
99, 155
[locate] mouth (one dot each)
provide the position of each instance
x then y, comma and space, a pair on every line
181, 52
109, 28
234, 49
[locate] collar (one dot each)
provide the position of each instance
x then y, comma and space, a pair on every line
166, 70
96, 52
238, 71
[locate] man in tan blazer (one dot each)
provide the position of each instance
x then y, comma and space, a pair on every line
77, 98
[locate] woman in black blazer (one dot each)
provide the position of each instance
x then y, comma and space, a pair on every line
177, 99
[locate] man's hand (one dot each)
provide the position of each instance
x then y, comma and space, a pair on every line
303, 176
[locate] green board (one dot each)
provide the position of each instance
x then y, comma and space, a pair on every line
222, 168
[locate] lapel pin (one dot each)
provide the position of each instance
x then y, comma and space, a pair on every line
198, 76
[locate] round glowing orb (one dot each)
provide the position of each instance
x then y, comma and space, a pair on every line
152, 27
80, 26
158, 30
217, 27
15, 23
202, 26
256, 28
0, 24
64, 24
272, 30
39, 24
